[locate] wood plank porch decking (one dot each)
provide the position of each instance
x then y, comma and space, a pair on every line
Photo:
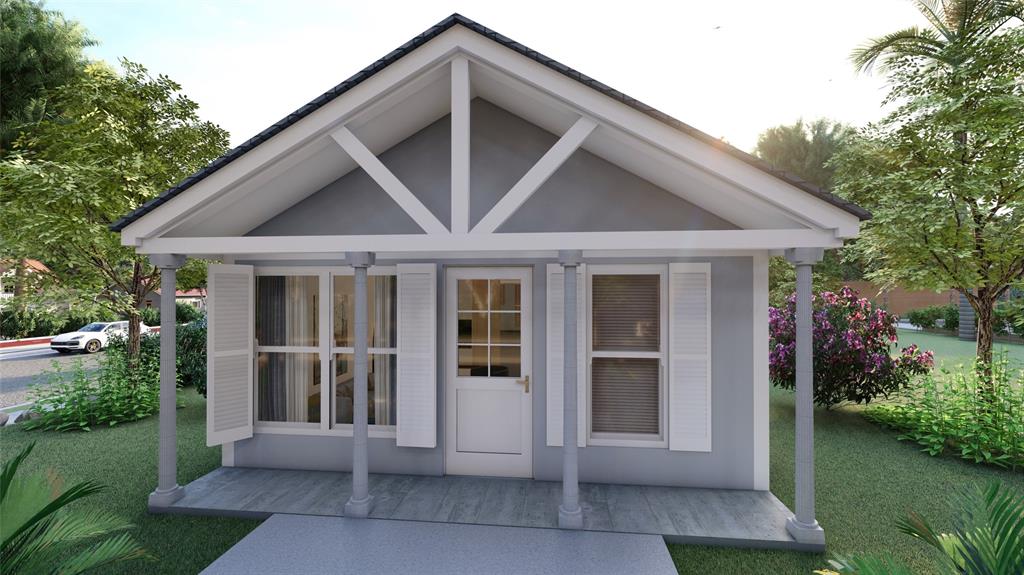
681, 515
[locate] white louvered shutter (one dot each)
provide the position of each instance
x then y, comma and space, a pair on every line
229, 356
689, 357
555, 344
417, 355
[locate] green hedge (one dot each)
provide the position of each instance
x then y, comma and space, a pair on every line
18, 320
1009, 317
183, 312
927, 317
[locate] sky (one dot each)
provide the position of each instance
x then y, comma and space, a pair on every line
731, 68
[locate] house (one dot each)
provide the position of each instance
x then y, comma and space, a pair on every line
471, 260
195, 297
14, 273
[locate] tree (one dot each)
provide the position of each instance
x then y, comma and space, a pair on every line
122, 138
956, 25
40, 51
942, 175
804, 150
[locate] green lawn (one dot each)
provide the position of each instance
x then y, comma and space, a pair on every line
124, 458
865, 481
951, 351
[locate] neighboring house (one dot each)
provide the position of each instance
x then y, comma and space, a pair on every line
900, 300
469, 259
10, 270
193, 297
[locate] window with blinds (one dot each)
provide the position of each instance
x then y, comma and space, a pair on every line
627, 347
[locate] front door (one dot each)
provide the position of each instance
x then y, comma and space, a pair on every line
488, 416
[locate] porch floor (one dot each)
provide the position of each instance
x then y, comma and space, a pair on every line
681, 515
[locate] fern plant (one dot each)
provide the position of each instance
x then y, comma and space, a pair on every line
987, 539
41, 535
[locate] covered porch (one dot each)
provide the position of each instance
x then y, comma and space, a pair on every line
732, 517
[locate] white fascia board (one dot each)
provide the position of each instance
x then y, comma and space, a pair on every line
702, 239
620, 116
536, 175
316, 125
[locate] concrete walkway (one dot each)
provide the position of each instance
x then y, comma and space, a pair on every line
299, 544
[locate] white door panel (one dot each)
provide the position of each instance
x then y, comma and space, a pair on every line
488, 393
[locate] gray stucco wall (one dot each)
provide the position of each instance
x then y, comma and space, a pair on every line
730, 464
586, 194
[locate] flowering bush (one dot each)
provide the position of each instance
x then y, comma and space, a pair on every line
852, 342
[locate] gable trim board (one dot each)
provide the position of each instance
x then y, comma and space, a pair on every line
690, 145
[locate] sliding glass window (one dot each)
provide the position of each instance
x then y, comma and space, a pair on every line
287, 348
382, 295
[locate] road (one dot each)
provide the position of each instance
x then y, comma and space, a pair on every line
20, 368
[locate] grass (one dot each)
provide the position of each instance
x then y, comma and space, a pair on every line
951, 351
866, 480
124, 459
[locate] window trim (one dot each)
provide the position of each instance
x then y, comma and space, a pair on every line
326, 351
630, 439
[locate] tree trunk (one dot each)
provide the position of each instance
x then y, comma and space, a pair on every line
984, 309
134, 337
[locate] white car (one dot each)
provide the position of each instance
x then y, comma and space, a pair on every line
93, 337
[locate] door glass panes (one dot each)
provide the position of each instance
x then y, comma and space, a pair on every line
489, 330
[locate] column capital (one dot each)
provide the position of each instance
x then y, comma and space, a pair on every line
804, 256
167, 261
570, 258
360, 259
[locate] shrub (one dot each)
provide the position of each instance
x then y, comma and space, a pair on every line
983, 423
1009, 318
852, 342
150, 316
925, 317
43, 533
118, 393
986, 538
21, 319
192, 355
951, 317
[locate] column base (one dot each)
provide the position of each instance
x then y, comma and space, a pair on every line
570, 519
358, 508
164, 498
811, 534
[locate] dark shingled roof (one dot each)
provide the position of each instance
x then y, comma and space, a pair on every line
425, 37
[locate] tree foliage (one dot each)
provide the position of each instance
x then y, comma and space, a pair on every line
956, 25
943, 175
121, 139
805, 149
40, 51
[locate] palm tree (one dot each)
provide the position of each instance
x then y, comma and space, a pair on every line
955, 24
40, 534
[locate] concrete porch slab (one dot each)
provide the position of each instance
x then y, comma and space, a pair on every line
736, 518
339, 545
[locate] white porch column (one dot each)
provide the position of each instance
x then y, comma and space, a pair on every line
570, 516
167, 489
358, 504
803, 526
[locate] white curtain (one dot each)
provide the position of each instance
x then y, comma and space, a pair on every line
383, 336
300, 311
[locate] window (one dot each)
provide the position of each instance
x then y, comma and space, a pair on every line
627, 353
489, 328
287, 348
382, 295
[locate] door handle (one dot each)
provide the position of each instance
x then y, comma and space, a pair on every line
525, 383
